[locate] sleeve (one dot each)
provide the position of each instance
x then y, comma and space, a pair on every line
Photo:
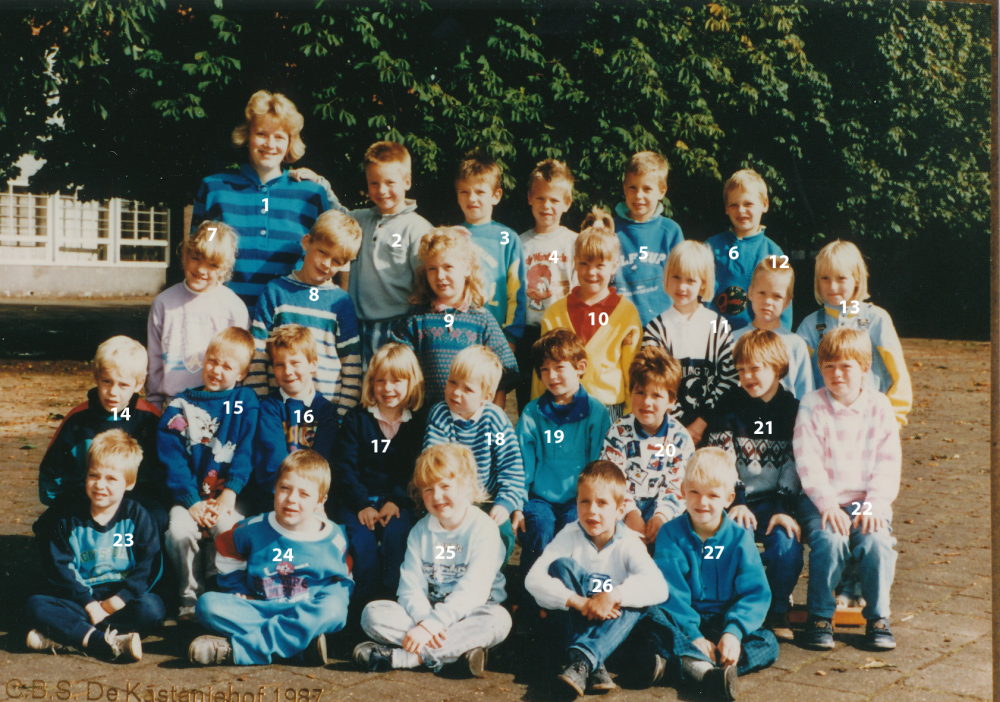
527, 438
645, 585
510, 465
517, 301
600, 426
752, 593
170, 447
146, 556
413, 588
333, 202
346, 457
260, 327
724, 377
270, 446
63, 576
669, 501
549, 592
349, 350
800, 374
883, 483
231, 561
154, 350
57, 463
900, 393
631, 343
674, 567
241, 467
415, 240
807, 445
437, 423
655, 334
326, 429
494, 338
406, 333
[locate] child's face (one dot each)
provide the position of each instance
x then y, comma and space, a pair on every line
642, 194
758, 379
268, 144
221, 371
477, 200
105, 486
115, 389
200, 274
769, 298
650, 404
684, 289
594, 276
464, 396
549, 202
295, 501
837, 287
447, 500
597, 509
387, 186
843, 377
292, 371
446, 275
320, 262
562, 378
390, 392
705, 504
744, 208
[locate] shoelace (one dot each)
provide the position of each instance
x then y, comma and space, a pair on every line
111, 637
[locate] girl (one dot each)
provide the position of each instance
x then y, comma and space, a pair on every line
372, 463
451, 586
448, 312
697, 337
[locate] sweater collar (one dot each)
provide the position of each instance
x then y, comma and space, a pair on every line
404, 416
722, 533
640, 433
621, 209
463, 422
408, 207
250, 174
307, 400
856, 407
619, 534
324, 531
576, 410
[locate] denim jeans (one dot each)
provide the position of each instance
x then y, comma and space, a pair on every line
542, 521
782, 556
647, 507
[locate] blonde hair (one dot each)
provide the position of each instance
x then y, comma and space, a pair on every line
295, 338
447, 462
748, 180
442, 241
646, 162
695, 259
844, 343
763, 346
308, 465
117, 450
235, 342
477, 167
550, 171
478, 363
607, 475
388, 152
771, 265
712, 467
124, 354
218, 247
398, 361
277, 106
338, 232
654, 366
597, 240
842, 257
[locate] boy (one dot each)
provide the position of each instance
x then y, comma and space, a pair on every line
501, 258
308, 297
468, 417
282, 610
756, 422
848, 456
119, 371
739, 250
548, 258
293, 417
603, 572
718, 591
101, 557
205, 439
558, 433
649, 446
646, 236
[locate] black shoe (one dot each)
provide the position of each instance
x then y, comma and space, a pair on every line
600, 681
818, 634
475, 661
720, 683
649, 669
878, 636
371, 657
576, 673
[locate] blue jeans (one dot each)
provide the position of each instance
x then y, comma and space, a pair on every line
829, 552
66, 622
782, 556
596, 640
378, 555
542, 521
647, 507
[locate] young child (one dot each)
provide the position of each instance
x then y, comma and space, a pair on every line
468, 417
755, 423
558, 433
294, 416
185, 317
548, 259
270, 212
646, 236
848, 457
119, 372
372, 464
598, 577
448, 313
101, 557
841, 289
709, 631
284, 610
696, 336
309, 298
739, 250
451, 585
205, 440
770, 294
606, 322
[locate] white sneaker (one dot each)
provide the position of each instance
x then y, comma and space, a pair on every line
128, 644
37, 641
210, 650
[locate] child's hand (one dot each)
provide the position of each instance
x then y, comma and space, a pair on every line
388, 511
603, 606
96, 613
517, 522
633, 520
783, 520
416, 638
869, 523
201, 514
729, 650
225, 503
696, 429
368, 516
742, 515
499, 514
706, 647
840, 523
303, 174
653, 528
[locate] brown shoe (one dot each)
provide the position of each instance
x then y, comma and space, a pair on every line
777, 624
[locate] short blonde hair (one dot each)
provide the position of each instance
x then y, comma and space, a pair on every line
551, 171
447, 462
763, 346
692, 258
277, 106
478, 364
339, 232
477, 167
235, 342
439, 242
124, 354
646, 162
117, 450
295, 338
748, 180
308, 465
712, 467
844, 343
845, 258
771, 265
389, 152
654, 366
398, 361
218, 247
605, 474
597, 240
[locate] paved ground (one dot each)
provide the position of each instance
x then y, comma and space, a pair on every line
941, 606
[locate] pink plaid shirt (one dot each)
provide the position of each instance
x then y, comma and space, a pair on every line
848, 454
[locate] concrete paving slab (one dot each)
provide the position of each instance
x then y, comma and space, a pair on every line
953, 677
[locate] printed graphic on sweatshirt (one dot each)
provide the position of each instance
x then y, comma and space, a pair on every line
282, 582
731, 301
199, 428
544, 281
